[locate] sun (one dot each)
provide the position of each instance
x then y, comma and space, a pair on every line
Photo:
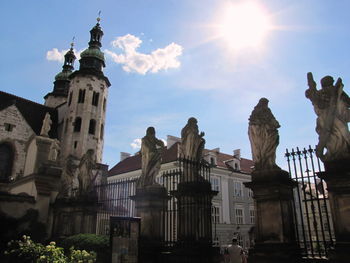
244, 25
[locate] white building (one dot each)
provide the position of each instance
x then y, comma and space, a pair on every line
233, 211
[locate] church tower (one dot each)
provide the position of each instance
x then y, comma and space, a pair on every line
61, 85
83, 127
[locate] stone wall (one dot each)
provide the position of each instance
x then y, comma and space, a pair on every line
18, 138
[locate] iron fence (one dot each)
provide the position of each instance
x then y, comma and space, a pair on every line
313, 223
188, 211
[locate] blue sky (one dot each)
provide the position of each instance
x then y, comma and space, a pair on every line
201, 77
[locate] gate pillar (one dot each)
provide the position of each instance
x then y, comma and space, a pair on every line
151, 203
337, 177
275, 232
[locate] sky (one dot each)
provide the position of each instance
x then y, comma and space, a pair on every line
168, 60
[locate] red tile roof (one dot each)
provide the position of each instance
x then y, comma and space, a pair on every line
133, 163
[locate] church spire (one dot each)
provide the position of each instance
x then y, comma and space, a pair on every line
92, 59
69, 59
61, 83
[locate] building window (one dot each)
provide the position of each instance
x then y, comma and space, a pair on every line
70, 98
9, 127
75, 144
240, 240
77, 124
237, 189
66, 126
101, 132
250, 193
95, 97
6, 161
239, 216
81, 97
92, 126
215, 183
252, 215
215, 214
104, 104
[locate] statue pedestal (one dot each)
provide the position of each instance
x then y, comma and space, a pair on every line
275, 234
150, 204
194, 221
337, 177
74, 216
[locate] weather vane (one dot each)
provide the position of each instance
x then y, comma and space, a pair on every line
72, 44
99, 17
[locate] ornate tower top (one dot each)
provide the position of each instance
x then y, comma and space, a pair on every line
61, 83
92, 59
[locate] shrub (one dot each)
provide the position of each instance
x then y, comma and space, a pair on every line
97, 243
27, 251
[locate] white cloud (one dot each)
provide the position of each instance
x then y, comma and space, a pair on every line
133, 61
136, 144
56, 55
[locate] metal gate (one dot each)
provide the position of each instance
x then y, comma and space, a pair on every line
313, 222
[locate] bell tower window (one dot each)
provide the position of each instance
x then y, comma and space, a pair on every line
6, 162
95, 97
81, 97
92, 126
77, 124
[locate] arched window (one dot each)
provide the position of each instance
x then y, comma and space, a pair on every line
77, 124
92, 126
81, 96
101, 132
6, 161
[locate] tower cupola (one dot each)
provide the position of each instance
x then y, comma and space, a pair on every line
61, 83
92, 59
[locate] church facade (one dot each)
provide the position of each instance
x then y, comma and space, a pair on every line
51, 153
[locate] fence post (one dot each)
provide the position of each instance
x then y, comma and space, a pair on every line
275, 233
337, 177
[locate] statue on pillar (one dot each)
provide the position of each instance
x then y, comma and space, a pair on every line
54, 150
86, 177
151, 154
45, 128
68, 177
192, 142
331, 105
263, 136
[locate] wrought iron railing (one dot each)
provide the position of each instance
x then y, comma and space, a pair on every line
313, 223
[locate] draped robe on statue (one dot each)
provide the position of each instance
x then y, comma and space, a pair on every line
263, 136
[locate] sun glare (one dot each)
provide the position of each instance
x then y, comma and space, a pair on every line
244, 25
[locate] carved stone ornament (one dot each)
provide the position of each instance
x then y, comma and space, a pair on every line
331, 105
263, 136
86, 176
46, 127
192, 142
151, 154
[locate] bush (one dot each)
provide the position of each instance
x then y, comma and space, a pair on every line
97, 243
27, 251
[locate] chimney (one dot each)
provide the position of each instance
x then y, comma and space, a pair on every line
171, 140
237, 153
124, 155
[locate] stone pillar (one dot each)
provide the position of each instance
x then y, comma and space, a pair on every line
151, 203
337, 177
275, 226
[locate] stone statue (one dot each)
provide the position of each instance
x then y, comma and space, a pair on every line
45, 128
86, 176
192, 142
151, 154
263, 136
54, 150
68, 177
331, 105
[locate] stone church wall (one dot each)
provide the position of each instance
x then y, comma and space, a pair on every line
18, 137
